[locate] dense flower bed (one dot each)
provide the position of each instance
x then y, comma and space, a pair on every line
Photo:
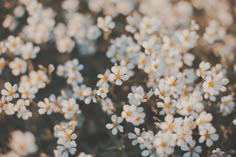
125, 78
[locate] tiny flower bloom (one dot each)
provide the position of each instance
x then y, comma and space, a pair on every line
192, 149
102, 91
29, 51
115, 125
45, 107
18, 66
10, 92
209, 136
70, 108
23, 143
119, 74
106, 24
14, 44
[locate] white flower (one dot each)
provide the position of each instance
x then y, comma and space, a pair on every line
227, 105
10, 92
9, 109
150, 25
213, 85
119, 74
192, 149
128, 112
27, 91
209, 136
23, 143
70, 5
14, 44
115, 125
70, 108
134, 136
204, 120
103, 78
188, 38
168, 106
106, 24
65, 136
29, 51
45, 107
138, 95
165, 143
65, 149
18, 66
102, 91
203, 68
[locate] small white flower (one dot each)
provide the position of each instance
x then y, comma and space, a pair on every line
102, 91
70, 108
115, 125
18, 66
119, 74
29, 51
192, 149
14, 44
106, 24
10, 92
23, 143
209, 136
45, 107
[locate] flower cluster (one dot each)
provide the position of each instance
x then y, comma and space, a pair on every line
159, 74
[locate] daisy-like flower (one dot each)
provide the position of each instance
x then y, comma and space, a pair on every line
10, 92
168, 106
103, 78
27, 91
204, 119
203, 68
29, 51
150, 25
118, 75
22, 111
65, 136
227, 105
213, 85
14, 44
23, 143
170, 124
18, 66
90, 96
65, 149
45, 107
115, 125
170, 43
134, 136
107, 106
188, 38
128, 112
102, 91
165, 143
192, 149
70, 108
106, 24
138, 95
9, 109
209, 136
